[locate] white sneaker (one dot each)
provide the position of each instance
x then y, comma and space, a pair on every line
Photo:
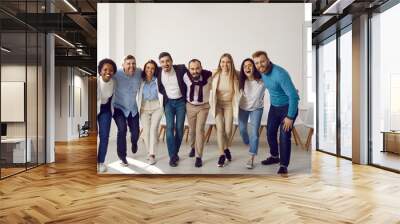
124, 164
102, 168
249, 164
152, 160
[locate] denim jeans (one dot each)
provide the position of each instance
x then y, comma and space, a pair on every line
255, 121
175, 112
122, 122
104, 123
276, 116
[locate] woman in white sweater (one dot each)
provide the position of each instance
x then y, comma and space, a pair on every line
251, 105
105, 91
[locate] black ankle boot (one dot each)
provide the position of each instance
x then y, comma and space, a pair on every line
198, 162
282, 170
228, 155
192, 152
134, 149
221, 161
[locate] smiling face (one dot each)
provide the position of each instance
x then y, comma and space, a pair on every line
248, 69
262, 63
195, 68
149, 70
107, 71
166, 63
225, 64
129, 66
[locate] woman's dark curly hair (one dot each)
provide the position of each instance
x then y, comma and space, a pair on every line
144, 69
243, 77
106, 61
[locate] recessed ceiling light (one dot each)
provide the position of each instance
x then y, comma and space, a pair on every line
70, 5
64, 40
84, 71
338, 6
5, 50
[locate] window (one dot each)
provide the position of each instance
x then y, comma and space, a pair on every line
346, 94
327, 96
385, 89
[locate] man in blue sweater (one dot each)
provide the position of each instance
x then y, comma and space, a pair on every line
283, 111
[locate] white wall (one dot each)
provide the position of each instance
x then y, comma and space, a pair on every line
204, 31
68, 81
61, 103
116, 31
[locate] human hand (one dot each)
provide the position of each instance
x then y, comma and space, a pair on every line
287, 124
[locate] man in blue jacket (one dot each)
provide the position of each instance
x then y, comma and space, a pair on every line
283, 111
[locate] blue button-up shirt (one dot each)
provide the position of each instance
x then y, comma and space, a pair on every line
126, 89
150, 90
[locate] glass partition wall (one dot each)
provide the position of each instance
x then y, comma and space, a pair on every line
22, 76
327, 96
334, 97
385, 90
346, 93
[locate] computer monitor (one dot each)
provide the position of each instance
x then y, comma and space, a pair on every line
3, 129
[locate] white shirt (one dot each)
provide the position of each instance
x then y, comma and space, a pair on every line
253, 95
104, 91
170, 82
206, 91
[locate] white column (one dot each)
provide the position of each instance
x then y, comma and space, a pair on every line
50, 98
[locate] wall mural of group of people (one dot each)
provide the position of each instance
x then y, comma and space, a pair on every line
130, 94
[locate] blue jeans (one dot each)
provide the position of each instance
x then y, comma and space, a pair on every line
255, 120
276, 116
104, 124
122, 122
175, 111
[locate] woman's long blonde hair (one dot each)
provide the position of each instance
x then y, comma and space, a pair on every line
232, 72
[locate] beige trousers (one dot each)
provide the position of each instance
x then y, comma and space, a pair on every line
150, 120
224, 123
197, 117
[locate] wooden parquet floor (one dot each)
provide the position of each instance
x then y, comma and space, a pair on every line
70, 191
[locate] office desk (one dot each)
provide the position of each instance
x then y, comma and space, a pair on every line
391, 141
13, 150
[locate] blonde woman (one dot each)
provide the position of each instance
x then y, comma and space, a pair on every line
224, 104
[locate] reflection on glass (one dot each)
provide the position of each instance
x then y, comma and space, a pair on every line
31, 97
327, 97
22, 90
13, 84
346, 94
385, 86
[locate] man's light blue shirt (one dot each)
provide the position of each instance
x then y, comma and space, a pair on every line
126, 90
